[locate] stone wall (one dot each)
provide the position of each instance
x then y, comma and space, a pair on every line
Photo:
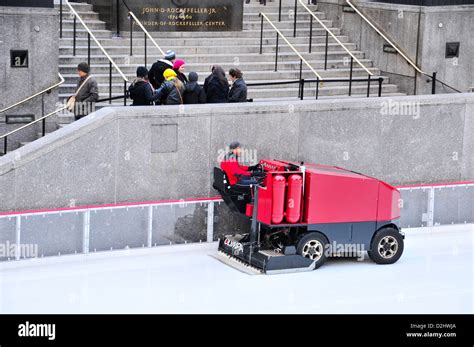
129, 154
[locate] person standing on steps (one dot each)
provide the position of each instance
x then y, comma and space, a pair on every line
216, 86
155, 75
87, 93
238, 91
171, 90
141, 91
194, 93
178, 67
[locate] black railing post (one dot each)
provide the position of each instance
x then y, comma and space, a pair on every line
74, 37
302, 89
145, 49
294, 23
276, 54
317, 88
433, 85
43, 125
368, 86
310, 32
131, 35
89, 49
326, 52
117, 11
261, 33
61, 19
301, 73
279, 11
350, 77
380, 86
124, 93
5, 143
110, 82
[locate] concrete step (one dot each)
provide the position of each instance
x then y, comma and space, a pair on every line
82, 33
117, 84
235, 58
93, 25
267, 32
122, 57
85, 15
138, 41
317, 64
98, 72
336, 88
78, 6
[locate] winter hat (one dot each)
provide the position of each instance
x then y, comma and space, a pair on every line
234, 145
142, 71
84, 67
170, 55
193, 77
169, 74
178, 63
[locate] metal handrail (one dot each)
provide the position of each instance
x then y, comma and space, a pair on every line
33, 122
142, 27
396, 46
335, 38
42, 119
96, 41
263, 15
35, 95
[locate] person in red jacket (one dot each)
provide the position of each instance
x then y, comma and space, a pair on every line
235, 172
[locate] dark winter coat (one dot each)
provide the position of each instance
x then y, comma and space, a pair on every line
182, 77
142, 93
238, 92
87, 96
216, 90
171, 92
194, 94
155, 75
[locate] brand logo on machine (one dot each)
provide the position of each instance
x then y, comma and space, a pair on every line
37, 330
270, 167
237, 247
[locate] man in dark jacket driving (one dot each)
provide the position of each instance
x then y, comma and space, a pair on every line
235, 172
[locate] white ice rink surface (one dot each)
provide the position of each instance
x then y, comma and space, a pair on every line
434, 275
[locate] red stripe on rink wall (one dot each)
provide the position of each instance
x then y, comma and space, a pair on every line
436, 184
130, 204
189, 200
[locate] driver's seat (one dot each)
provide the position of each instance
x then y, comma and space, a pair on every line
235, 196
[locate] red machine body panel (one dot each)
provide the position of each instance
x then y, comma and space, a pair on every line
336, 196
331, 195
389, 202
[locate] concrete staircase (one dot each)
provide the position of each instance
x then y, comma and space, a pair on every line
228, 49
201, 50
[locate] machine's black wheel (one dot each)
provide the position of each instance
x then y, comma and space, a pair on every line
313, 246
387, 246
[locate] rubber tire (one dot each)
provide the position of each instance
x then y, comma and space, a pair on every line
375, 256
313, 236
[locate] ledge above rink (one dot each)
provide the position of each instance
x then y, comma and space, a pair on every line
90, 229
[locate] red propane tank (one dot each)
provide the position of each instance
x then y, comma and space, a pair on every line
293, 202
278, 198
